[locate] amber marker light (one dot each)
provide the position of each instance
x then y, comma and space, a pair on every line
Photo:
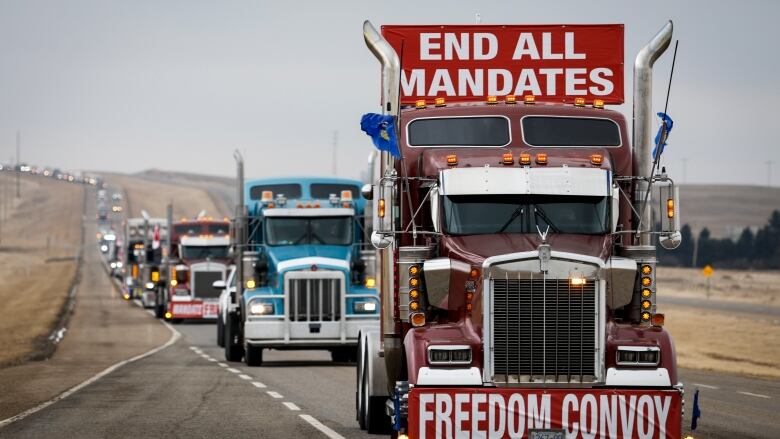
646, 304
414, 305
414, 270
417, 319
646, 269
541, 159
414, 282
492, 100
420, 104
168, 315
658, 319
414, 293
525, 159
452, 160
596, 159
439, 102
381, 207
670, 208
474, 273
645, 316
579, 102
529, 99
646, 292
510, 99
646, 281
598, 103
508, 159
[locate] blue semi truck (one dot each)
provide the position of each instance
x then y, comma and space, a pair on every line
307, 280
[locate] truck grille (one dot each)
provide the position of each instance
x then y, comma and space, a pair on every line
314, 299
202, 284
543, 330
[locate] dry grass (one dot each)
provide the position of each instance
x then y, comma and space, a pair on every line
757, 287
722, 342
153, 197
40, 238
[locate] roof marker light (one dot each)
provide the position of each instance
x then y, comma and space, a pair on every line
579, 102
267, 196
510, 99
525, 159
529, 99
492, 99
346, 195
596, 159
452, 160
439, 102
598, 103
420, 104
508, 159
541, 159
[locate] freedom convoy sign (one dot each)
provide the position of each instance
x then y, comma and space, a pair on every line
466, 63
538, 413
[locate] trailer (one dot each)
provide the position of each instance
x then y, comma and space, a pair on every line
516, 248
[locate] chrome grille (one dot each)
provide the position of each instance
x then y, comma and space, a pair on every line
314, 299
543, 330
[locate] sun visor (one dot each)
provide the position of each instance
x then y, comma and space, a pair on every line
526, 181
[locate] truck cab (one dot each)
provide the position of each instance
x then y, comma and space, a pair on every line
306, 282
200, 256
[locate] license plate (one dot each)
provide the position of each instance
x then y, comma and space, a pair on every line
546, 434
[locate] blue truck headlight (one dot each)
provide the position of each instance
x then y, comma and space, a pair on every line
364, 307
261, 309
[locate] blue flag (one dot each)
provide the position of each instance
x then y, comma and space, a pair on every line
660, 142
381, 128
696, 411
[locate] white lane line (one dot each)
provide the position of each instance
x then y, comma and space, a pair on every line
213, 359
222, 364
194, 348
258, 384
275, 394
321, 427
245, 377
706, 386
151, 313
138, 303
292, 406
175, 335
230, 369
757, 395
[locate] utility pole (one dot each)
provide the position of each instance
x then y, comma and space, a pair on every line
18, 166
769, 164
335, 167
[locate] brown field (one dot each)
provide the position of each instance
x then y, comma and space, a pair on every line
718, 340
152, 196
39, 242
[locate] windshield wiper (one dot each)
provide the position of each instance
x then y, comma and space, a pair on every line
538, 211
512, 218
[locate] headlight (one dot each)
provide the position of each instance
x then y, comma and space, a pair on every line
443, 355
261, 309
150, 285
370, 282
638, 356
119, 264
113, 265
104, 248
363, 307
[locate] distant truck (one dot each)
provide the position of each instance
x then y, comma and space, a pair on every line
143, 243
306, 283
517, 259
199, 257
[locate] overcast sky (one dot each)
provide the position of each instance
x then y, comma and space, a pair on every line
131, 85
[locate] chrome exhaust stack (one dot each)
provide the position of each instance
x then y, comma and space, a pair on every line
643, 119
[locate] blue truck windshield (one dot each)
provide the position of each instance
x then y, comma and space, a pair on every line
480, 214
317, 231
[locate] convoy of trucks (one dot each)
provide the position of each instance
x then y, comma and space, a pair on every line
494, 278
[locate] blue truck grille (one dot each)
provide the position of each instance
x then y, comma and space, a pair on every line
314, 300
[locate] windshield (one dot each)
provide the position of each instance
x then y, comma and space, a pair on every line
204, 252
318, 231
488, 214
570, 131
459, 131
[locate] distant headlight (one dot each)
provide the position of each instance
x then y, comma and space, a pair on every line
363, 307
149, 285
261, 309
119, 264
113, 265
104, 248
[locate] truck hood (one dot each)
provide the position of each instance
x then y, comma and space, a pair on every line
282, 258
475, 249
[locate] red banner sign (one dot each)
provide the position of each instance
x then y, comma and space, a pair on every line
571, 413
467, 63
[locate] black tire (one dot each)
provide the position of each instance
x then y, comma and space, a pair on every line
377, 421
344, 354
232, 348
159, 309
361, 397
176, 321
220, 332
253, 356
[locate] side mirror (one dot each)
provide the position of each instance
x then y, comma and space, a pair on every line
670, 238
219, 284
381, 241
367, 191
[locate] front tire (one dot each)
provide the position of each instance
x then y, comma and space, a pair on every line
253, 356
220, 332
344, 354
232, 348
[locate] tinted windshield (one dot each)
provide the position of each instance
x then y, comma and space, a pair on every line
570, 131
480, 214
296, 231
292, 190
217, 229
459, 131
204, 252
323, 190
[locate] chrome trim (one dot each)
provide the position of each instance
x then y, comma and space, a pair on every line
294, 275
449, 348
522, 131
508, 126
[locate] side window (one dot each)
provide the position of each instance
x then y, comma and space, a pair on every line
232, 280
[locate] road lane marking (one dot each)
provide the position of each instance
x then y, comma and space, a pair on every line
222, 364
230, 369
245, 377
757, 395
213, 359
706, 386
275, 394
258, 384
292, 406
194, 348
151, 313
175, 335
321, 427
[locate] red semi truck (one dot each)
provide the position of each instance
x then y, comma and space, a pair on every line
199, 257
516, 248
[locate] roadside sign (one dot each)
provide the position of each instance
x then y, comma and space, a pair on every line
707, 270
555, 63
